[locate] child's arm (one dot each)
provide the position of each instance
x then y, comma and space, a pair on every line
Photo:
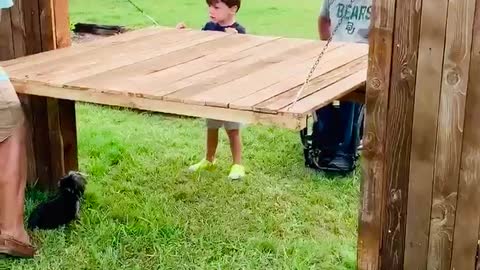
231, 30
324, 22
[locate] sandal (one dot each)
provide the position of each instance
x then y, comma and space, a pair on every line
12, 247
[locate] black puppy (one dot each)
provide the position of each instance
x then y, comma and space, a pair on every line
62, 209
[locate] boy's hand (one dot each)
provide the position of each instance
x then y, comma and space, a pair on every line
181, 25
231, 30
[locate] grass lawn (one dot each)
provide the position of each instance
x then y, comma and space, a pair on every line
143, 211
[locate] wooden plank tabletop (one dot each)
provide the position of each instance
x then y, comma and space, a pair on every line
246, 78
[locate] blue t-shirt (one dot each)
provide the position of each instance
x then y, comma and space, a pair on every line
212, 26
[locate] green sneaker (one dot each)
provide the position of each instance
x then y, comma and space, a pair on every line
237, 172
202, 165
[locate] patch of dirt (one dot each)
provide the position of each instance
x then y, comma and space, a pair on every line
79, 38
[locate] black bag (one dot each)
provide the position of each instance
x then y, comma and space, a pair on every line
332, 146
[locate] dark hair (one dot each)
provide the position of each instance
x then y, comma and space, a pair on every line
229, 3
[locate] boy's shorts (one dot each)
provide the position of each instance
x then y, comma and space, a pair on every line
11, 113
216, 124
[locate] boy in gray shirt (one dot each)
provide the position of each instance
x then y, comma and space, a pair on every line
355, 24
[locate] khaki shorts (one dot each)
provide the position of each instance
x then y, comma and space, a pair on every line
11, 113
216, 124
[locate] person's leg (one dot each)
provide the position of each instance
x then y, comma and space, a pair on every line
13, 165
14, 239
344, 156
233, 131
211, 148
235, 145
212, 143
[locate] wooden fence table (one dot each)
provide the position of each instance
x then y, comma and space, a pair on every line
245, 78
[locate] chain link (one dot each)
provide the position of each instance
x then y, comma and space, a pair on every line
320, 56
143, 12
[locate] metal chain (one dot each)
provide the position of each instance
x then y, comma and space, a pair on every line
143, 12
320, 56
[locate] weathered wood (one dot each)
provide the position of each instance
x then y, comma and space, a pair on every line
328, 94
67, 70
377, 93
276, 72
207, 68
6, 38
246, 62
41, 141
180, 65
450, 132
54, 139
427, 102
31, 22
399, 132
282, 94
61, 113
47, 24
68, 127
62, 53
291, 122
428, 86
356, 96
62, 24
18, 30
467, 220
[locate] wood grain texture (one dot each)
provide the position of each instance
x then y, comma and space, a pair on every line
68, 127
55, 139
286, 98
467, 220
272, 74
377, 93
18, 29
31, 22
422, 161
62, 24
356, 96
41, 141
237, 67
328, 94
87, 95
212, 69
450, 132
47, 24
80, 66
155, 74
50, 56
6, 37
399, 131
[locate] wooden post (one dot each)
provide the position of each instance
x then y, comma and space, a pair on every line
421, 186
30, 27
380, 57
467, 219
